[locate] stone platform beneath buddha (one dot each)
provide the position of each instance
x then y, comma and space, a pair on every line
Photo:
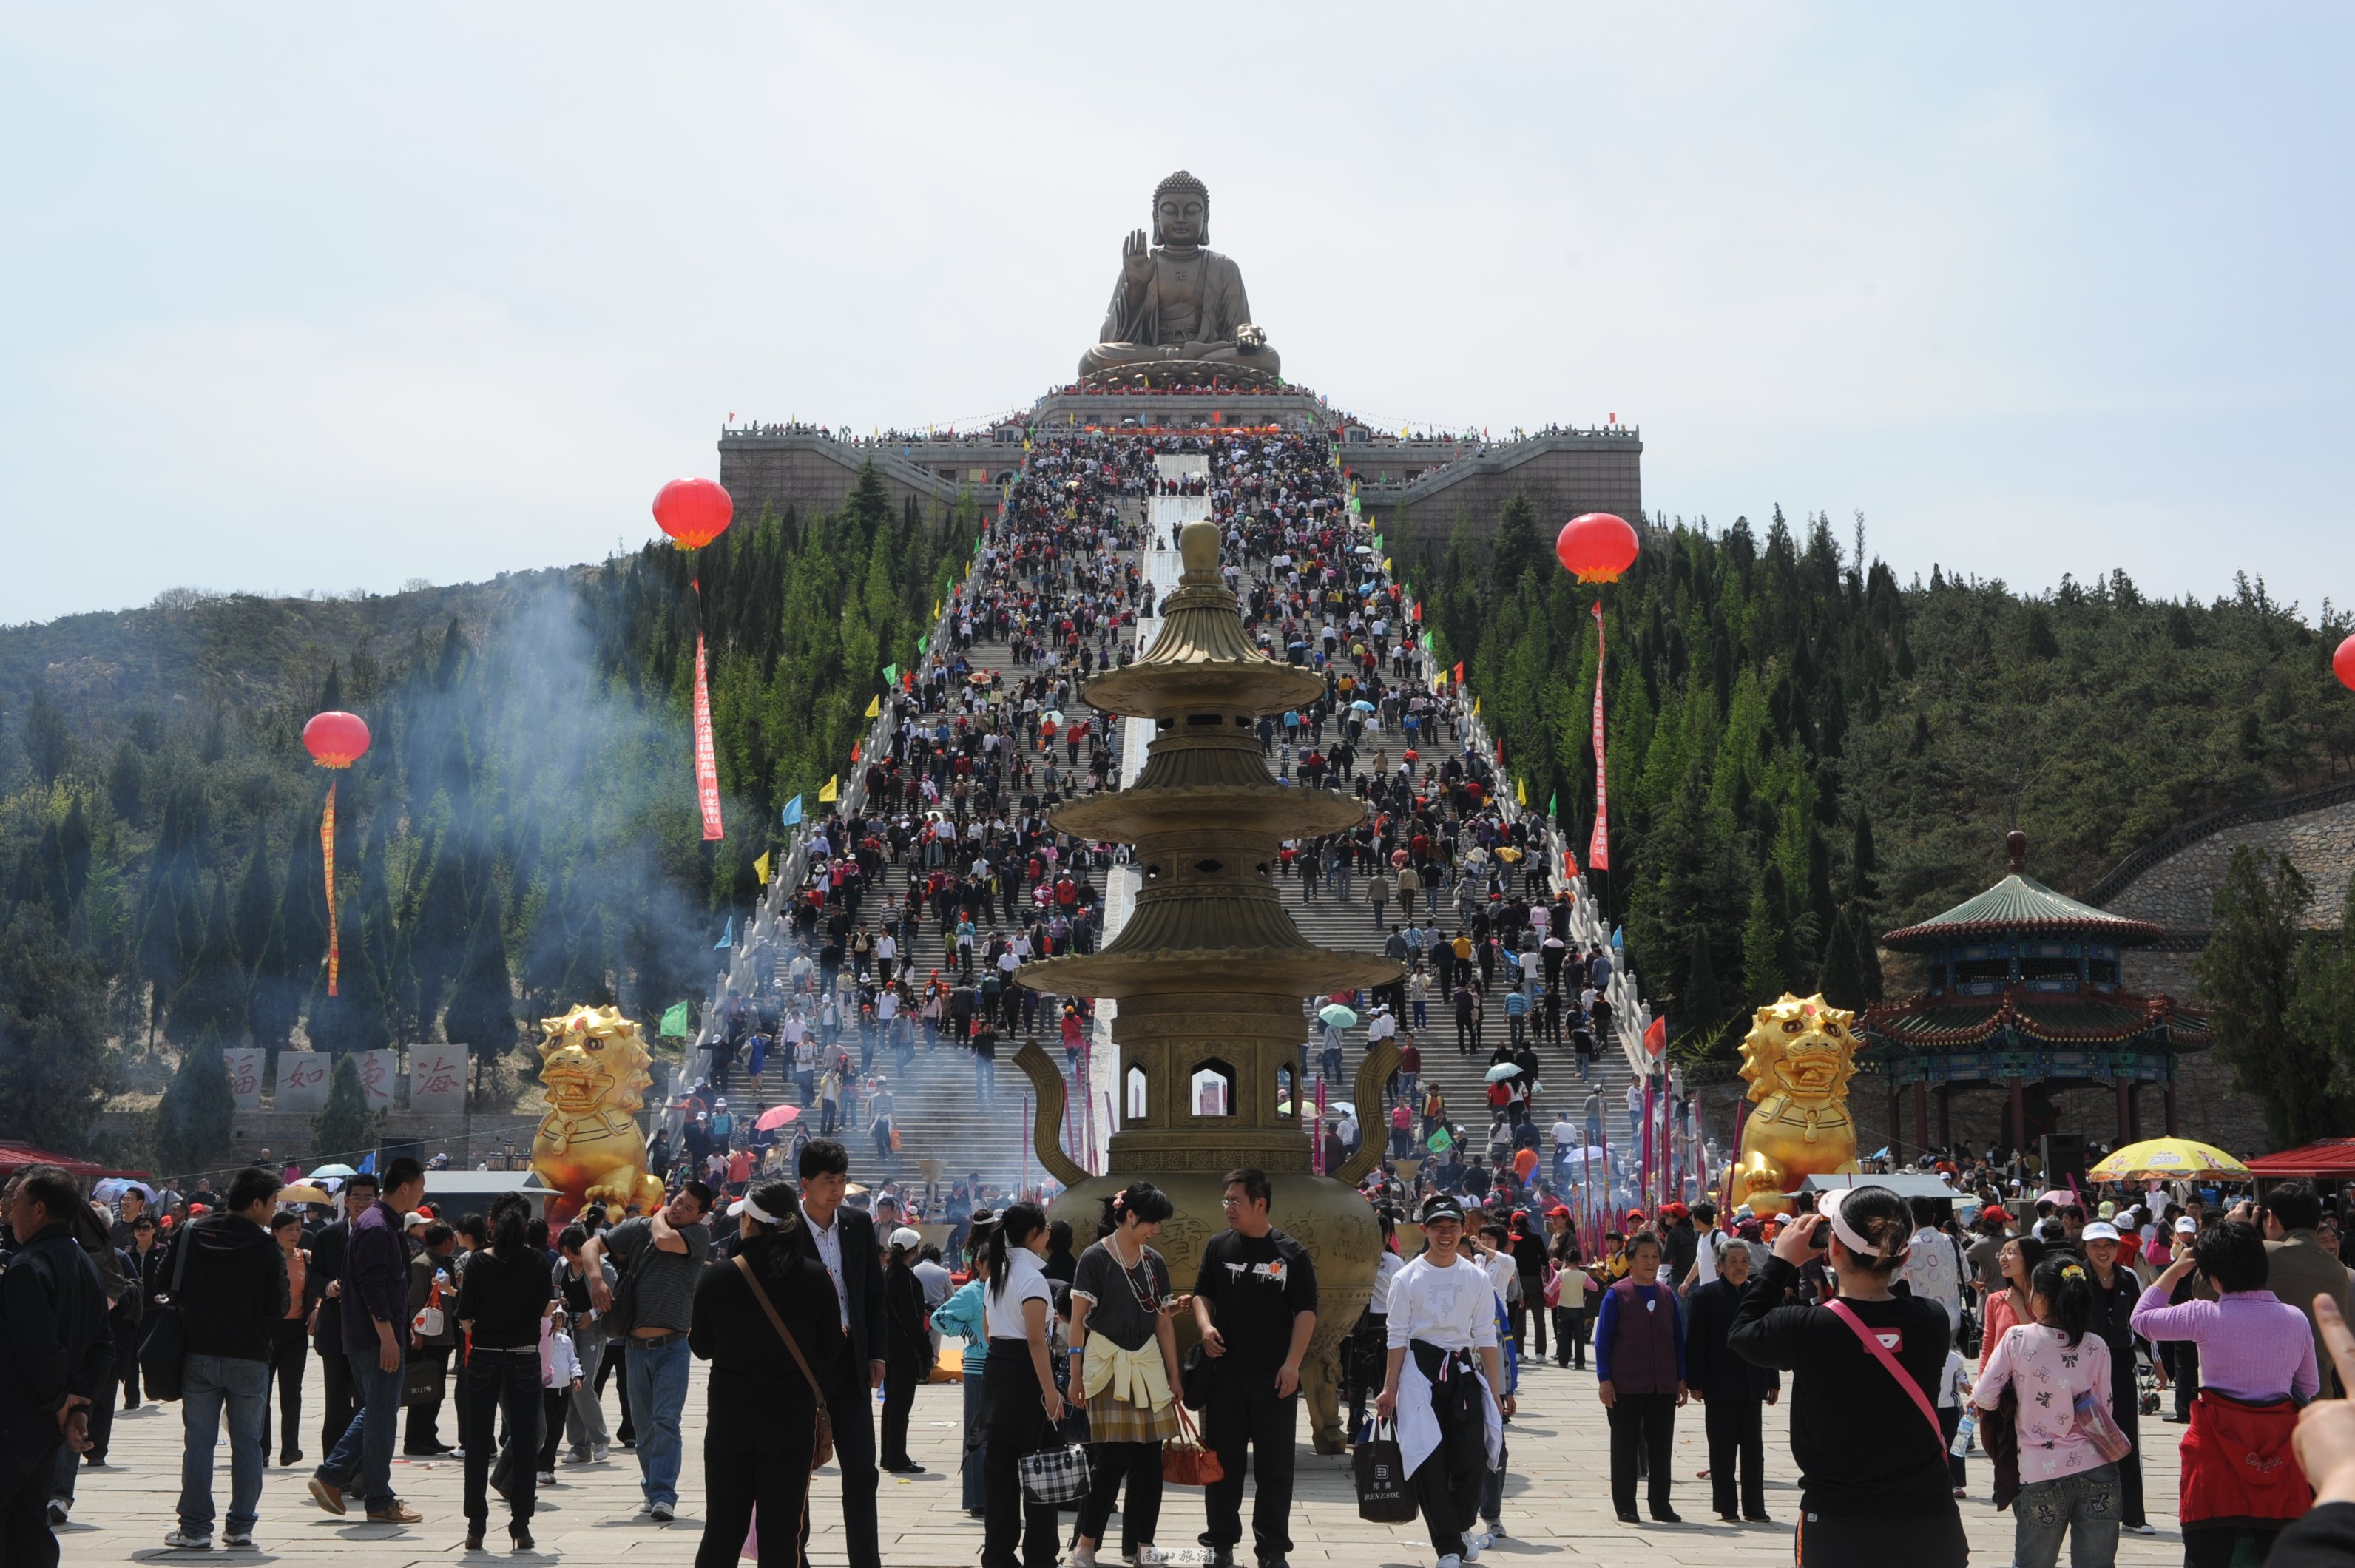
1146, 374
1557, 1502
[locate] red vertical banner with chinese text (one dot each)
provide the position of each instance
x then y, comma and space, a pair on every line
707, 758
1598, 847
327, 854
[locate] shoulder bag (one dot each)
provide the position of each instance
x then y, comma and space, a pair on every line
822, 1435
163, 1349
1058, 1473
1872, 1342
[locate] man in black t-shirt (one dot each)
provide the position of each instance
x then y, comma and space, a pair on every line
1255, 1303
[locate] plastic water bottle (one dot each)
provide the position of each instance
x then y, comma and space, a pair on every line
1964, 1431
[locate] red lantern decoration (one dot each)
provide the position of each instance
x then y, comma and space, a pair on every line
336, 739
1596, 546
2342, 663
693, 512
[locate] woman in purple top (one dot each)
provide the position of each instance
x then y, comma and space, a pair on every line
2256, 1363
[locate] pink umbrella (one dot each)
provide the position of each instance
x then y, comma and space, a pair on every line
776, 1116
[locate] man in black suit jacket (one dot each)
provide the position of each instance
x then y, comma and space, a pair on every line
845, 1240
326, 1313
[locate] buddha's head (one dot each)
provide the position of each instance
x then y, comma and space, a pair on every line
1181, 211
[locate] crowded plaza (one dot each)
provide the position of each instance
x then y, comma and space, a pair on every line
842, 1329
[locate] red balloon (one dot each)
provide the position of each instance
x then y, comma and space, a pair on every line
2342, 663
693, 512
336, 739
1598, 547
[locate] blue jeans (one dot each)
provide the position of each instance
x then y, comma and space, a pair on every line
657, 1394
2086, 1506
209, 1383
362, 1461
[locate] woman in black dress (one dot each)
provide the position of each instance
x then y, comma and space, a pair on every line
761, 1406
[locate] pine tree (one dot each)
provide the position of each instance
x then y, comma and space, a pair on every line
297, 945
210, 1001
345, 1129
2249, 977
255, 913
126, 785
55, 1067
48, 742
196, 1120
1763, 976
1839, 980
482, 1001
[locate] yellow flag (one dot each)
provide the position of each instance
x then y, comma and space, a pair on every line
832, 792
1475, 707
762, 866
1520, 792
1386, 563
875, 707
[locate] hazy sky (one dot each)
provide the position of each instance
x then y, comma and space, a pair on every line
324, 298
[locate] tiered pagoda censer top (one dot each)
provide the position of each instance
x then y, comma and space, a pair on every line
1209, 970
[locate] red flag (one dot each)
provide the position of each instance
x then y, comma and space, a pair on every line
1459, 672
1656, 1035
854, 750
706, 760
1598, 847
327, 853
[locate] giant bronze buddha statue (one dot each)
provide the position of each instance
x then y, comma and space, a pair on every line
1178, 313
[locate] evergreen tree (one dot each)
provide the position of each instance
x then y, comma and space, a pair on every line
48, 742
1514, 548
196, 1120
55, 1067
297, 945
2249, 977
345, 1129
1763, 976
255, 913
210, 1002
126, 784
482, 1001
76, 843
1840, 981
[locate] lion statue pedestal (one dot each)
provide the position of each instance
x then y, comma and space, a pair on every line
592, 1068
1797, 1060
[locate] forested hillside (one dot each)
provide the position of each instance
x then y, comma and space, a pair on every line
521, 835
1805, 753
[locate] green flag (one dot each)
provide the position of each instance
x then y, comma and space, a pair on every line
924, 644
1441, 1141
1553, 801
891, 673
674, 1022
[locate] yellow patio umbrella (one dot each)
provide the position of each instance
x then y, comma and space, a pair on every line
2166, 1158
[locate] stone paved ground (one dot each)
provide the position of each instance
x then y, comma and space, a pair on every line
1557, 1504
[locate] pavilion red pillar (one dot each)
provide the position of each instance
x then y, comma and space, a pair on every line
1920, 1118
2018, 1110
1895, 1127
2126, 1110
2171, 1131
1946, 1118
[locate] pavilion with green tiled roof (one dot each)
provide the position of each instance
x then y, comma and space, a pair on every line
2025, 986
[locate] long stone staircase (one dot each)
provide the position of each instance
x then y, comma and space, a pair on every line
949, 1127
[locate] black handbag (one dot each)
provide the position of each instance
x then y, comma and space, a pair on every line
164, 1348
1384, 1493
1194, 1379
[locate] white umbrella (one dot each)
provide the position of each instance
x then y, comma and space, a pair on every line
1344, 1106
1336, 1015
1502, 1071
325, 1171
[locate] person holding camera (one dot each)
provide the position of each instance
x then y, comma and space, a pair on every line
1864, 1427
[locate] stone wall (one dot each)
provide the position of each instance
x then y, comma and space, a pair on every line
2175, 886
812, 474
1563, 475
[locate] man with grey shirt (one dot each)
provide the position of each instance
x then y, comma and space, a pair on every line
662, 1256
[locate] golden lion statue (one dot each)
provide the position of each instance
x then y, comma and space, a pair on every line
1797, 1060
593, 1066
